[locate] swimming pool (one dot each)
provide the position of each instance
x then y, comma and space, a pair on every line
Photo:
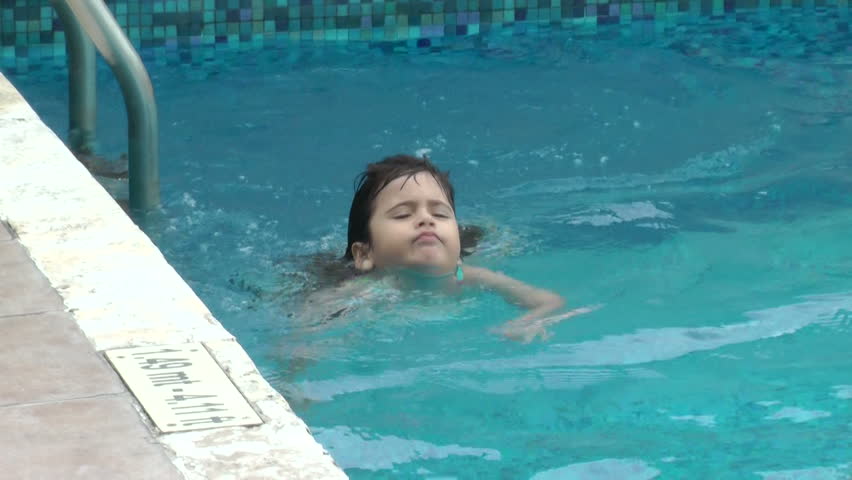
695, 183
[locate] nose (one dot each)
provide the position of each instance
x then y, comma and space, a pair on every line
425, 218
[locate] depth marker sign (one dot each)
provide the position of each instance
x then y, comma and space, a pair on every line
181, 387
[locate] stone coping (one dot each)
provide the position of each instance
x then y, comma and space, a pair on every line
122, 293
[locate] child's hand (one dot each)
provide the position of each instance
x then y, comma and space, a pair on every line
522, 330
526, 329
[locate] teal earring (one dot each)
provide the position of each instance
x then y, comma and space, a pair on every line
459, 274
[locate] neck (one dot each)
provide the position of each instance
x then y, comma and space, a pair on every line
410, 278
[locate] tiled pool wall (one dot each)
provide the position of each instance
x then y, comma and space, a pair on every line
192, 31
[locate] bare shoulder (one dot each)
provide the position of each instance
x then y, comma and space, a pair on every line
489, 278
328, 304
485, 277
346, 290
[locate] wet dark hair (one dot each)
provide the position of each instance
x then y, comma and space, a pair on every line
374, 179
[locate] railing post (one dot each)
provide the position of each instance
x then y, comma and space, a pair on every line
114, 46
82, 93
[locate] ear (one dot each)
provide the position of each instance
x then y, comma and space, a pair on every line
362, 255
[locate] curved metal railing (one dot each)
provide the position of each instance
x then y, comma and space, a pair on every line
86, 20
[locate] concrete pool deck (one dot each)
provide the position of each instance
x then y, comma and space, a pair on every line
77, 278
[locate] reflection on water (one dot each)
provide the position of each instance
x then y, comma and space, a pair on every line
601, 470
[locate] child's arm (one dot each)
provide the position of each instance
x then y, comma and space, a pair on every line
514, 291
540, 303
301, 346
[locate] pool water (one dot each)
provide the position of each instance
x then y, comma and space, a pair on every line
696, 182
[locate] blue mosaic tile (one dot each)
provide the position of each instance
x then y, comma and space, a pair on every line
31, 34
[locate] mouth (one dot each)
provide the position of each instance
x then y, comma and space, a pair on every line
427, 237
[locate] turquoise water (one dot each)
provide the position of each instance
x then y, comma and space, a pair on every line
696, 183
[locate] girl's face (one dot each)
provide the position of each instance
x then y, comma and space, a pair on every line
412, 226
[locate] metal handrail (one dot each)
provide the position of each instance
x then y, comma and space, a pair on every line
81, 83
94, 18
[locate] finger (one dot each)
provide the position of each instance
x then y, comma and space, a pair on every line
557, 318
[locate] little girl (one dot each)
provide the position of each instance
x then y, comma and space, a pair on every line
403, 233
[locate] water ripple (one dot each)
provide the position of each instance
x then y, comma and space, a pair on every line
643, 346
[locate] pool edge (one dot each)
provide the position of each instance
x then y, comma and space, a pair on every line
121, 292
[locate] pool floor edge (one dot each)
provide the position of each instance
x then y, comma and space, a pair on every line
117, 288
